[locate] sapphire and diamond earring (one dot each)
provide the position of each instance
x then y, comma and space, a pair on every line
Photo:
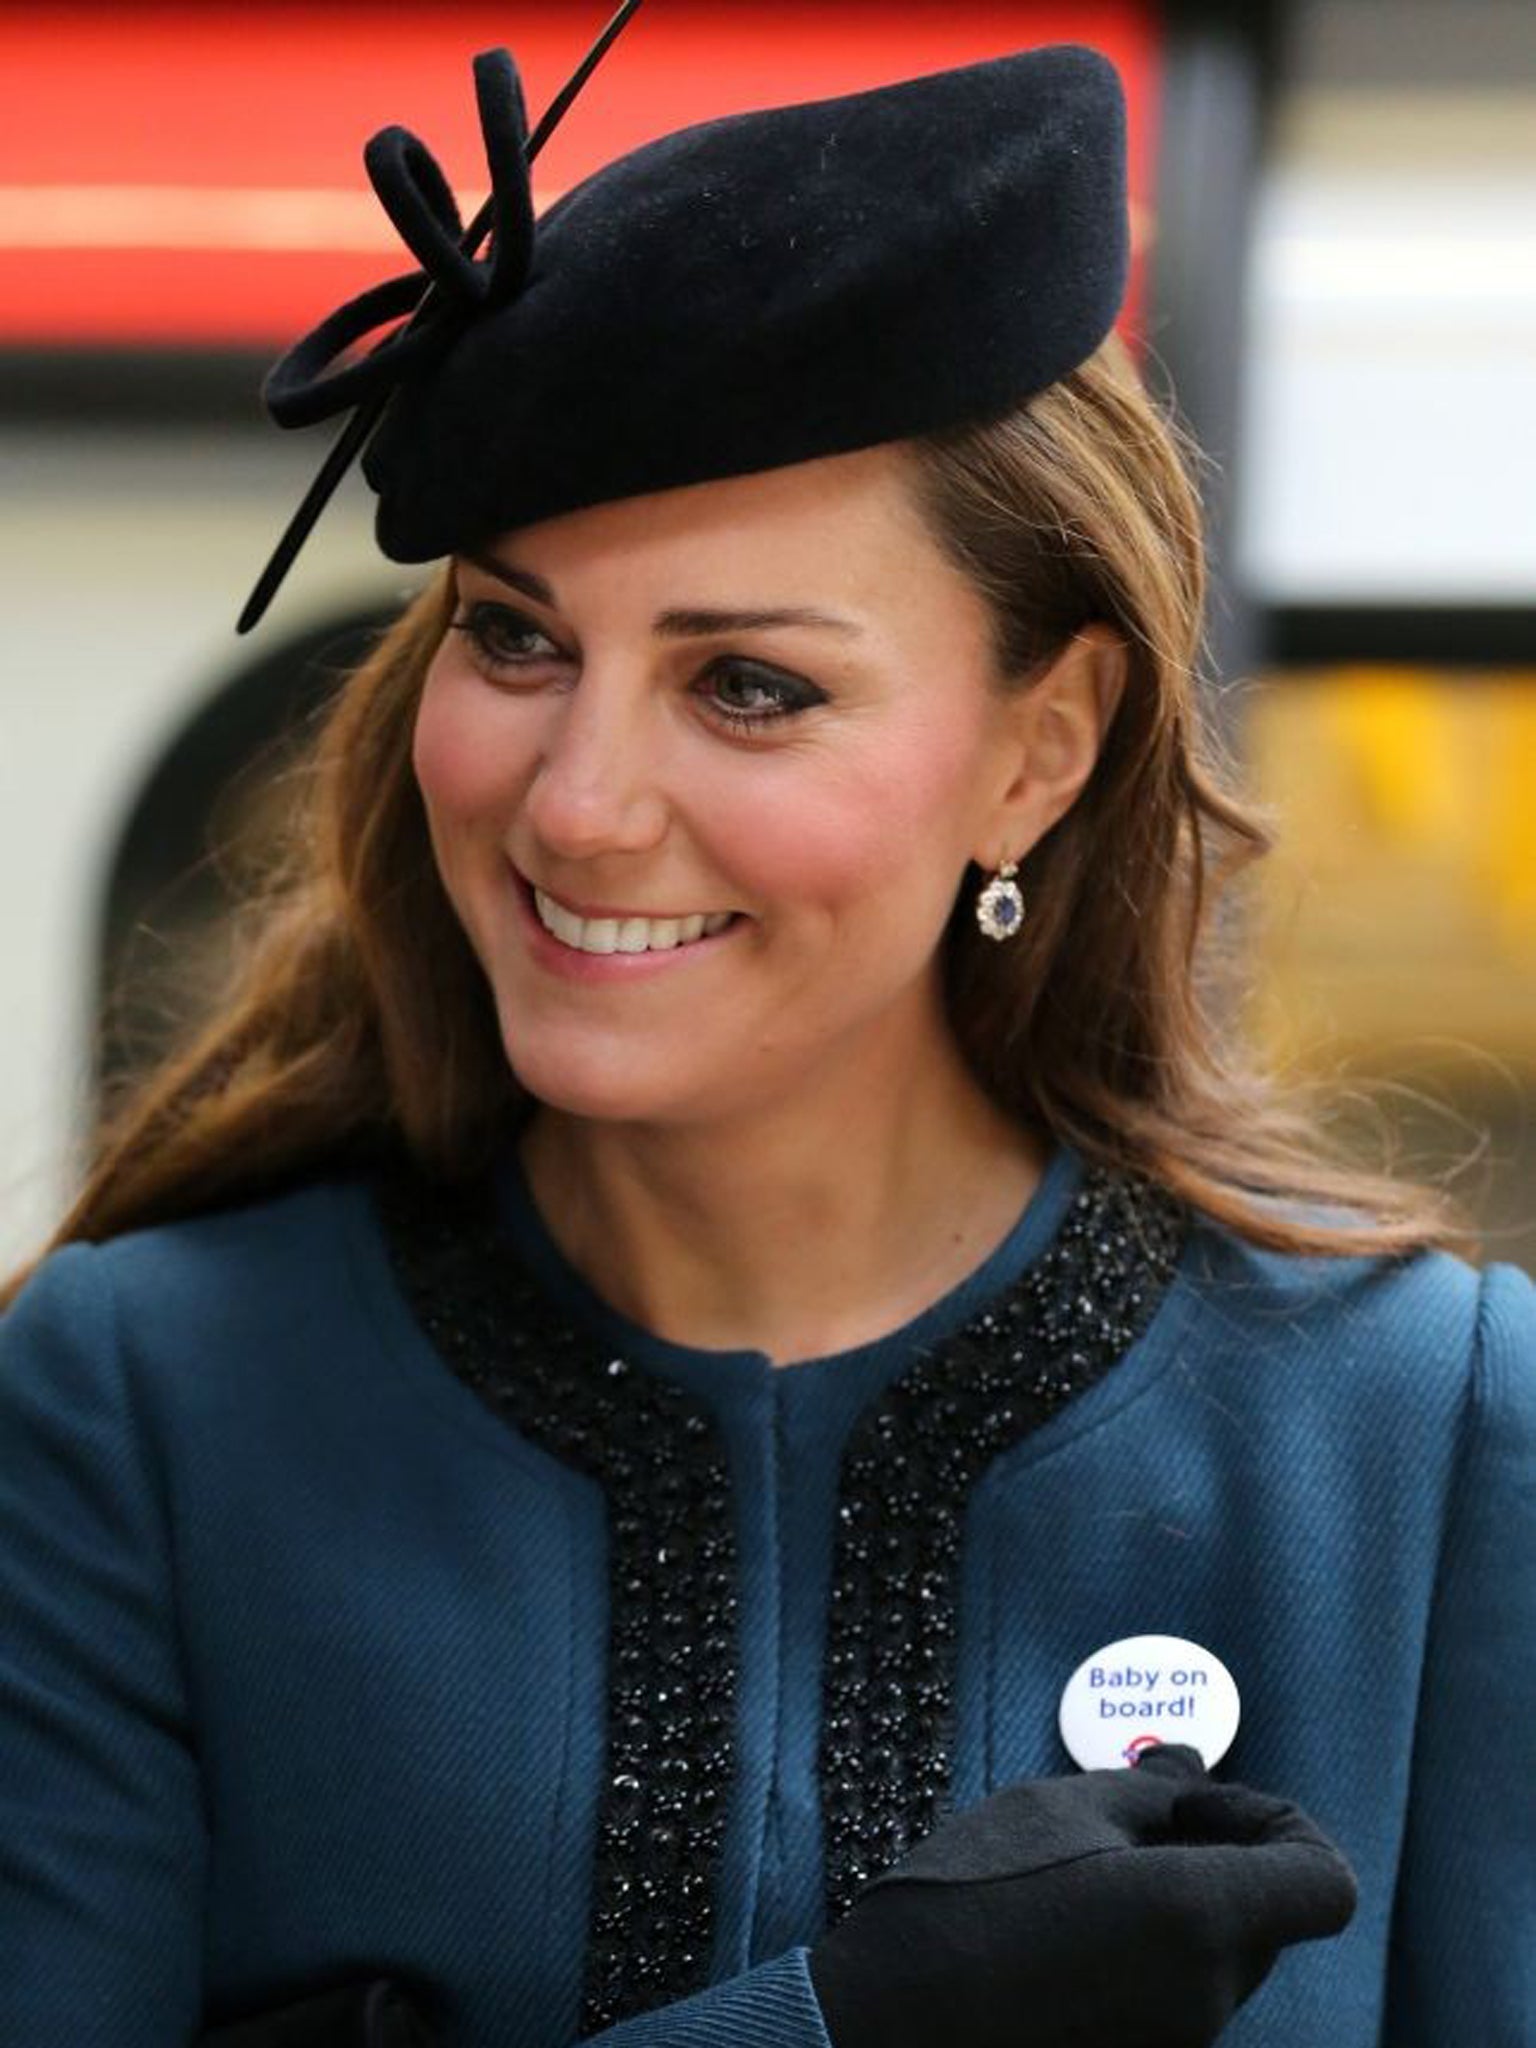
1000, 906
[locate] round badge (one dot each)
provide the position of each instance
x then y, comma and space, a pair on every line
1146, 1690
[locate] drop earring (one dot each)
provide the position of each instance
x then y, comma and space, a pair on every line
1000, 906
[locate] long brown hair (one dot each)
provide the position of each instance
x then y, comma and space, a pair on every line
357, 1019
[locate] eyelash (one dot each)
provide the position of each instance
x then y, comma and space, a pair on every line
482, 622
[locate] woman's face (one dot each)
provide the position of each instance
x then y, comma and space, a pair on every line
703, 772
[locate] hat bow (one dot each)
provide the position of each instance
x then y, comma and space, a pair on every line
452, 287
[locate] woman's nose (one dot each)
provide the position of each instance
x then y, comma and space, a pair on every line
596, 786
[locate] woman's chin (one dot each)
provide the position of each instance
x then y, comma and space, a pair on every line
607, 1089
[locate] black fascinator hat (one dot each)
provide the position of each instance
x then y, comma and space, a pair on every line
744, 293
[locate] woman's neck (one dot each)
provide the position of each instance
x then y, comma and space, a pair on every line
801, 1230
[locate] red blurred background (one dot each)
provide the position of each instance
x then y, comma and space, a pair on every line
183, 175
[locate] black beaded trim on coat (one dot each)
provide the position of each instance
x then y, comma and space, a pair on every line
672, 1650
907, 1472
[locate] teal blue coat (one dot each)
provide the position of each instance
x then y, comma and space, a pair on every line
303, 1645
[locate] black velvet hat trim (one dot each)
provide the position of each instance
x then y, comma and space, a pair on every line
752, 291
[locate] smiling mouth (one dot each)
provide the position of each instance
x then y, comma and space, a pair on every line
626, 934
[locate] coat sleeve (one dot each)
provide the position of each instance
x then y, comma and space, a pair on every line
102, 1843
1463, 1963
771, 2006
103, 1848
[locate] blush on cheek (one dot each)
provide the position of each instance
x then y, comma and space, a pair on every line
845, 836
454, 765
816, 853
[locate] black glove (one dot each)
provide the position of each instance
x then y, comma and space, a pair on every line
373, 2015
1116, 1909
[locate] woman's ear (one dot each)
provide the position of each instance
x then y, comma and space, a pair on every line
1058, 726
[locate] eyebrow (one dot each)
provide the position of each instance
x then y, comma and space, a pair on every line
687, 623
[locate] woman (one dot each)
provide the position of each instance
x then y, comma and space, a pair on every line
718, 1251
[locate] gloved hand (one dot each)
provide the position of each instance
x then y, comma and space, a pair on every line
1115, 1909
378, 2014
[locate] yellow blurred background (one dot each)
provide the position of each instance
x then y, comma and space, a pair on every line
1400, 906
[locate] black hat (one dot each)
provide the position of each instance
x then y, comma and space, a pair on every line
747, 292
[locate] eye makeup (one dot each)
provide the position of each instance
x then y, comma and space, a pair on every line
742, 693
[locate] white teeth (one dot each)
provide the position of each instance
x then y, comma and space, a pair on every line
557, 919
626, 934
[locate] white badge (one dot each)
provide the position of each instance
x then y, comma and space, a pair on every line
1132, 1695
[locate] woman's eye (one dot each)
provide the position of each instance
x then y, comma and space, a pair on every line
503, 638
748, 694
